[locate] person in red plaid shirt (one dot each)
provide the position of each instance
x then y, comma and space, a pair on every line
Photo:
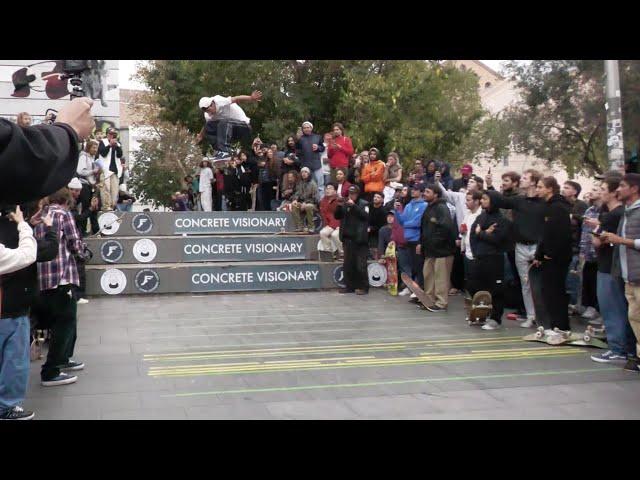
55, 281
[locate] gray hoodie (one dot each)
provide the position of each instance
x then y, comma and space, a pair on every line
626, 261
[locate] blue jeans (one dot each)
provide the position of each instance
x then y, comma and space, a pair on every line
318, 176
14, 361
614, 311
404, 262
574, 282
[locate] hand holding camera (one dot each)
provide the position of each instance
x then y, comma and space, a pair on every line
17, 215
77, 114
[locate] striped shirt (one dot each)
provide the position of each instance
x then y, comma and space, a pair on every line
62, 270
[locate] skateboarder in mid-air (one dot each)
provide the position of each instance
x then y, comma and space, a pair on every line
226, 122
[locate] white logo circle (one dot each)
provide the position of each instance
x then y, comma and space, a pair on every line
377, 275
108, 223
113, 281
145, 250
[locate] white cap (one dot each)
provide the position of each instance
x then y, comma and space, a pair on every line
307, 123
205, 102
75, 184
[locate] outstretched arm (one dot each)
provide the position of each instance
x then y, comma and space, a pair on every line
255, 96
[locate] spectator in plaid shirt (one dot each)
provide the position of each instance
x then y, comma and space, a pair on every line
56, 279
588, 256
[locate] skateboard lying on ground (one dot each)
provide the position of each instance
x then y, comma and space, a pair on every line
415, 288
391, 262
481, 308
565, 338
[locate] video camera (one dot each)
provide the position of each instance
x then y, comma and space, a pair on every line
72, 70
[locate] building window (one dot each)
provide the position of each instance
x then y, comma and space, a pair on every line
487, 85
505, 161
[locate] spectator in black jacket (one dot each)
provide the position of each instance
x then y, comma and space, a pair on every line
309, 147
354, 216
488, 237
552, 258
438, 234
377, 220
37, 161
237, 185
570, 191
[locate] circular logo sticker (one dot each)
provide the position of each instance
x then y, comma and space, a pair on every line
113, 281
109, 223
338, 276
111, 251
147, 280
377, 274
145, 250
142, 223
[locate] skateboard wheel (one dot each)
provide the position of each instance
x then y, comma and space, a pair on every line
538, 334
540, 329
587, 338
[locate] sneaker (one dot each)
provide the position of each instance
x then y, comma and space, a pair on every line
435, 308
72, 365
82, 301
596, 321
62, 379
360, 291
608, 357
404, 292
529, 323
590, 313
345, 290
632, 365
17, 413
491, 325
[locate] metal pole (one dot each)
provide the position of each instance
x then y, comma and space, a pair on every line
615, 144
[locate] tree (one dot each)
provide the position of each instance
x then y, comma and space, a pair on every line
166, 154
562, 117
417, 108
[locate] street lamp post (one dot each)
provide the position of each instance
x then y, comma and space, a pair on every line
615, 144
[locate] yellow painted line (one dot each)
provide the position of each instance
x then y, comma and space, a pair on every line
540, 349
302, 361
148, 357
293, 366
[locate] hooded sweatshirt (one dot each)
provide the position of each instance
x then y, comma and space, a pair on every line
484, 244
410, 219
373, 176
556, 242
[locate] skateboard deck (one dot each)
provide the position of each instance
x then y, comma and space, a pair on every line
577, 339
481, 308
391, 263
415, 288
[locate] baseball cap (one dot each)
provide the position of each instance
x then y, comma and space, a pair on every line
466, 168
205, 102
75, 184
354, 189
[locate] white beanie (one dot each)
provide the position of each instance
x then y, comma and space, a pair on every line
75, 184
307, 123
305, 169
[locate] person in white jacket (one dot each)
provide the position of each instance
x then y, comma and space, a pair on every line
110, 153
14, 259
459, 199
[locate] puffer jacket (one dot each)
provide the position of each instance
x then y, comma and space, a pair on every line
307, 192
354, 222
373, 176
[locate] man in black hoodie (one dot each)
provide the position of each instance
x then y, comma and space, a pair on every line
553, 255
354, 214
438, 234
488, 237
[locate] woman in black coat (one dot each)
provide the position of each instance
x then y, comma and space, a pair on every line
488, 239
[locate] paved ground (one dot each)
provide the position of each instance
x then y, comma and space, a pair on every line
319, 355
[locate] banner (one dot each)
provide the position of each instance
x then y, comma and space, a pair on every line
255, 277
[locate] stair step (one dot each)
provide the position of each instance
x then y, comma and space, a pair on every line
129, 279
190, 249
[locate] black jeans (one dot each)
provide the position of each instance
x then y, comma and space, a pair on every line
589, 283
355, 265
61, 308
457, 272
80, 292
222, 133
85, 200
267, 194
417, 264
517, 285
487, 273
549, 292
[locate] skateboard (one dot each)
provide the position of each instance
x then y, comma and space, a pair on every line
36, 345
566, 338
415, 288
481, 308
391, 263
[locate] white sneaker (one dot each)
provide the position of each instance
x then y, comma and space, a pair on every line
404, 292
413, 295
491, 325
550, 333
82, 301
590, 313
528, 323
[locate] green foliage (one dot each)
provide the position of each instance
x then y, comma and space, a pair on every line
416, 108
